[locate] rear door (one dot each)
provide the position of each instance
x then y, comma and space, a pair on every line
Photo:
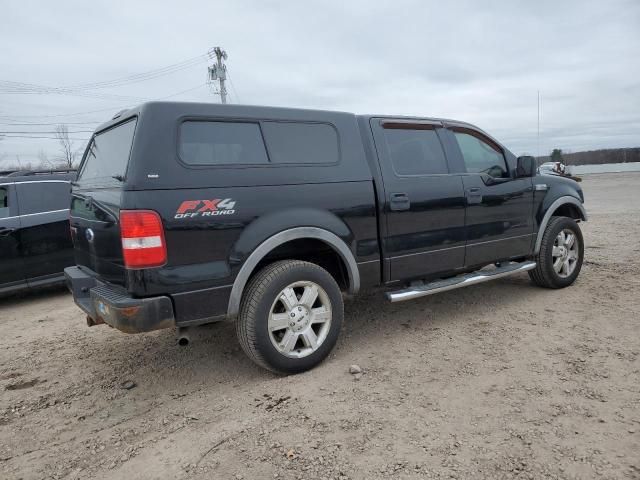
96, 200
45, 242
11, 265
499, 220
424, 202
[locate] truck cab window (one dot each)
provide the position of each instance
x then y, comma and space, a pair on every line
4, 202
480, 156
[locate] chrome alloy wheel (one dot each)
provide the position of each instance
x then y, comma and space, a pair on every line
565, 253
300, 319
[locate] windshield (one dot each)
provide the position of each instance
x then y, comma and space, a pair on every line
107, 156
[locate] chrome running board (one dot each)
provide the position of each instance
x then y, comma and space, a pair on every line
458, 282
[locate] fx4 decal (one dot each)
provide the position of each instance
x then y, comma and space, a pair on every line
205, 208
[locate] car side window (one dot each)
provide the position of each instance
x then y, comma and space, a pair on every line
4, 202
221, 143
39, 197
298, 142
481, 156
414, 150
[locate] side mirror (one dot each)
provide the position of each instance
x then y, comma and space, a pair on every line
526, 166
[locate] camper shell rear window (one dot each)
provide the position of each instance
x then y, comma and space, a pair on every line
107, 156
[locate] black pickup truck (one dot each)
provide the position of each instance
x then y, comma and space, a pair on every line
187, 213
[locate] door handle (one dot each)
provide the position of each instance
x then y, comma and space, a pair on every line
4, 231
474, 196
399, 202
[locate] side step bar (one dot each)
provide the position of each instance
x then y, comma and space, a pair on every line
458, 282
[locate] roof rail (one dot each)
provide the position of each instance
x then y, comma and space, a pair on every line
24, 173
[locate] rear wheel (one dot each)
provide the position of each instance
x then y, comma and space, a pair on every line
290, 316
561, 253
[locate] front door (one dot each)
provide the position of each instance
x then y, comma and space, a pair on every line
424, 203
11, 265
499, 216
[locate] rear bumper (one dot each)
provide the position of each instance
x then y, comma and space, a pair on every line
104, 303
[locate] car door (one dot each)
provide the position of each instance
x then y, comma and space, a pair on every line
45, 239
11, 264
499, 221
424, 202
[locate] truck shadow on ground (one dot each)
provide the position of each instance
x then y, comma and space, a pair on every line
370, 317
159, 366
370, 321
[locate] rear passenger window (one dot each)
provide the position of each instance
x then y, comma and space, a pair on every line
41, 197
4, 202
415, 151
290, 142
221, 143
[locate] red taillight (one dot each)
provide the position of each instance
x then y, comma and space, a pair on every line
142, 235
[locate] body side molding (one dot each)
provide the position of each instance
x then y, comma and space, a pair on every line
550, 211
285, 236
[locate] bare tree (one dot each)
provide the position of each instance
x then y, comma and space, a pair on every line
43, 158
5, 166
2, 155
68, 154
5, 163
23, 166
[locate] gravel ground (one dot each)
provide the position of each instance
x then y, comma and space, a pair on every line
500, 380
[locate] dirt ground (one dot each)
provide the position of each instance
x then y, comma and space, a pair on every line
500, 380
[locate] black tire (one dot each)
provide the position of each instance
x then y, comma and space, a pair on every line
544, 275
258, 298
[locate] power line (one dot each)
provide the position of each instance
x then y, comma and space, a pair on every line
8, 87
151, 74
110, 109
20, 88
81, 90
183, 91
32, 122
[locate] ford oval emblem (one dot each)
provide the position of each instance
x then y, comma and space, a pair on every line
88, 233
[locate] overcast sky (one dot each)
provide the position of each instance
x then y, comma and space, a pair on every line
477, 61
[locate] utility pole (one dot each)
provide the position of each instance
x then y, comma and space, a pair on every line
218, 72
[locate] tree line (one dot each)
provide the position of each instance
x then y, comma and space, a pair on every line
593, 157
67, 157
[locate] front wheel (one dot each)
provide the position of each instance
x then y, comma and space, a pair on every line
290, 316
561, 253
